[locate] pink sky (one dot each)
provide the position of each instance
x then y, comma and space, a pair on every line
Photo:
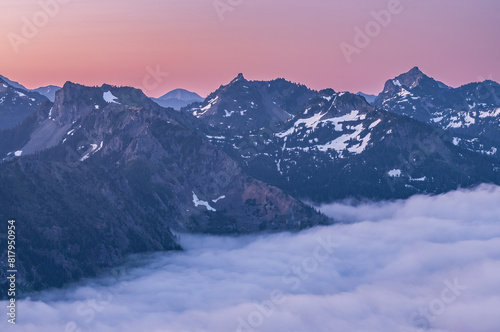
115, 41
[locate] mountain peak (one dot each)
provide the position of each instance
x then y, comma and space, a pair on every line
410, 78
415, 71
13, 83
178, 98
240, 77
181, 94
74, 101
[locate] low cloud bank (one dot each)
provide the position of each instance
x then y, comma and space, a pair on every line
423, 264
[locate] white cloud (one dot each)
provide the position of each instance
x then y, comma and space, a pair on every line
389, 262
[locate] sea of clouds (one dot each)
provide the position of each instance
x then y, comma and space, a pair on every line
422, 264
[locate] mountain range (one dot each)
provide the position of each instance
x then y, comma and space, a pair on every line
48, 91
104, 172
470, 112
333, 145
14, 110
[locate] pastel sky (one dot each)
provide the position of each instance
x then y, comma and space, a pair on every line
121, 41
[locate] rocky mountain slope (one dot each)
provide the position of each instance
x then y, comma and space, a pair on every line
471, 113
105, 172
16, 103
243, 105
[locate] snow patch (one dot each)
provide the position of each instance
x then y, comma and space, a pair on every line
460, 120
357, 149
404, 93
490, 152
394, 173
110, 98
341, 143
18, 153
469, 120
99, 148
95, 148
218, 199
228, 114
198, 202
488, 114
422, 179
373, 125
396, 82
204, 109
314, 121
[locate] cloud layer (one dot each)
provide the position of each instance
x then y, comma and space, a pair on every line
427, 263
